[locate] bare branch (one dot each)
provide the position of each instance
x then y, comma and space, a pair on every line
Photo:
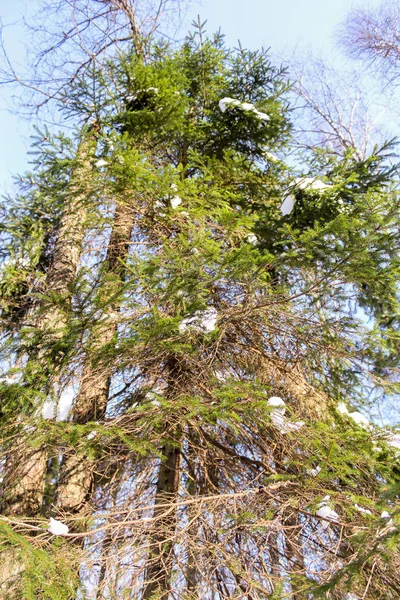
97, 30
333, 111
373, 35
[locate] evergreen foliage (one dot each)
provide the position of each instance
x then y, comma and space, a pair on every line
194, 304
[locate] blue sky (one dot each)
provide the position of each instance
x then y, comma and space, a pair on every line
283, 25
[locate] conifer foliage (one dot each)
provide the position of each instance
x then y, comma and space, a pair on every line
189, 327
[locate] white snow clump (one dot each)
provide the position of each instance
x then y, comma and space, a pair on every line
360, 420
270, 156
287, 205
314, 472
276, 401
159, 208
202, 321
175, 200
252, 239
246, 106
278, 418
91, 435
311, 183
326, 512
363, 510
357, 417
101, 163
57, 528
302, 183
278, 414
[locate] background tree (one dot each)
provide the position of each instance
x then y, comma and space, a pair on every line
372, 34
336, 109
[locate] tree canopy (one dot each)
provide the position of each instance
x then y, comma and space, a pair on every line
194, 321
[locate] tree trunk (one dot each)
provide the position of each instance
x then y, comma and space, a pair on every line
93, 394
25, 468
191, 570
76, 479
158, 572
293, 543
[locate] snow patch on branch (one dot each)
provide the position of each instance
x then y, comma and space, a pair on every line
311, 184
278, 418
252, 239
246, 106
327, 513
202, 321
270, 156
385, 515
357, 417
101, 163
173, 199
314, 472
360, 420
57, 528
362, 510
287, 205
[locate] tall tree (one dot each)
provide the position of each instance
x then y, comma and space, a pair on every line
238, 353
25, 467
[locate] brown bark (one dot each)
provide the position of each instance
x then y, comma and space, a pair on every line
93, 394
11, 568
191, 570
293, 542
76, 479
24, 480
162, 537
26, 467
25, 471
160, 561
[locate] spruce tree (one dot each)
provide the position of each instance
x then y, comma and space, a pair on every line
239, 313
